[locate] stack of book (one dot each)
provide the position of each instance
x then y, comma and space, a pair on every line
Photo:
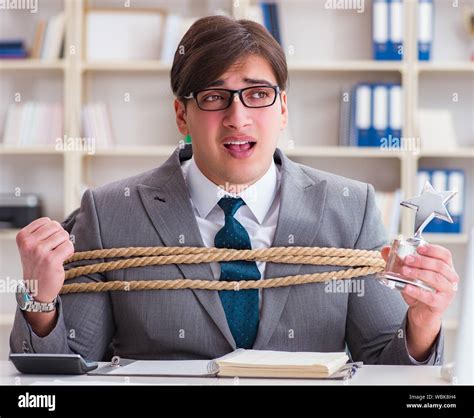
49, 38
12, 48
33, 123
96, 126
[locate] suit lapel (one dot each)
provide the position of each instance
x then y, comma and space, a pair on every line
299, 220
166, 201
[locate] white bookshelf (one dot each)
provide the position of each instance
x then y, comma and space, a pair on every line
333, 52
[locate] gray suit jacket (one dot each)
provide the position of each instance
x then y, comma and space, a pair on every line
154, 209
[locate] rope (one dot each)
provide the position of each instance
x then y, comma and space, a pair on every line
361, 263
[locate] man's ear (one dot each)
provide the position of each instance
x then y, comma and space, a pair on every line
180, 111
284, 110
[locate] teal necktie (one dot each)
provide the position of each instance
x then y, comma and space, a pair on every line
240, 306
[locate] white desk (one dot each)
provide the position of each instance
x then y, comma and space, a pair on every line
367, 375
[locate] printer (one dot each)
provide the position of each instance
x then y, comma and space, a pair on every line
19, 211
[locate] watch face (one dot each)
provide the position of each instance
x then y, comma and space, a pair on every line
22, 297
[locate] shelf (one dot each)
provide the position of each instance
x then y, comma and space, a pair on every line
134, 151
131, 66
343, 152
31, 64
446, 238
118, 151
446, 67
160, 66
29, 150
303, 151
467, 152
309, 151
368, 65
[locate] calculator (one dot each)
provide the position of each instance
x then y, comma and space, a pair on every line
52, 363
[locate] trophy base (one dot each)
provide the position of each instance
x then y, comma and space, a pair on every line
395, 281
392, 276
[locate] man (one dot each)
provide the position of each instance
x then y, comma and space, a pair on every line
232, 188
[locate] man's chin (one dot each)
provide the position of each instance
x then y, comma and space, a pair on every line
241, 181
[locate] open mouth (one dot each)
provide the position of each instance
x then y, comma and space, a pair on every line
239, 146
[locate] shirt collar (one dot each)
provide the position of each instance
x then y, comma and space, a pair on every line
205, 194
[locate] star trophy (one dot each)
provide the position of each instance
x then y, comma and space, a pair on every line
429, 205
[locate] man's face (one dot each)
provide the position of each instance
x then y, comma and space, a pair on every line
211, 132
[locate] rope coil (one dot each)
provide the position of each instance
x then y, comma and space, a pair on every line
360, 263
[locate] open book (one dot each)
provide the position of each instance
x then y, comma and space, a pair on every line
242, 363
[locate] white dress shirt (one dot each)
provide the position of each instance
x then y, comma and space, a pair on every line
258, 216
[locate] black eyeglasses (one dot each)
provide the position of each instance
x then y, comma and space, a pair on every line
219, 99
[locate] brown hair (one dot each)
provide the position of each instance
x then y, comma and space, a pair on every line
213, 44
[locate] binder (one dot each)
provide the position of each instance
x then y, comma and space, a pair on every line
275, 22
439, 181
11, 44
361, 115
375, 115
395, 25
425, 29
395, 114
271, 19
446, 180
380, 29
345, 117
422, 177
456, 205
380, 116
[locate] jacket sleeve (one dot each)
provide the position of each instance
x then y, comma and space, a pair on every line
85, 321
377, 317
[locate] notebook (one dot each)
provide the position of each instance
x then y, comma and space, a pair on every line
240, 363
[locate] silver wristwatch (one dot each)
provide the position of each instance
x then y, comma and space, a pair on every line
27, 303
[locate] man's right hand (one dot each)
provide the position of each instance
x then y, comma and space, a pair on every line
44, 246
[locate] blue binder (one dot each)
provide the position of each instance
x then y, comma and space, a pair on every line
425, 29
395, 30
380, 104
380, 32
439, 181
387, 29
361, 115
271, 19
395, 108
456, 181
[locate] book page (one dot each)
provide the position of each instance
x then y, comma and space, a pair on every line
282, 358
